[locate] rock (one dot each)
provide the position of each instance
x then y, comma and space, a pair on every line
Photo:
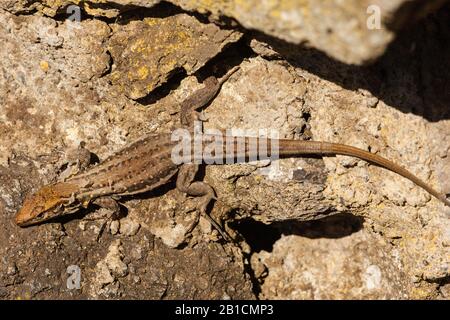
168, 224
353, 31
182, 41
82, 225
136, 253
360, 266
114, 259
171, 236
12, 270
114, 227
129, 227
110, 268
445, 291
104, 275
205, 225
57, 89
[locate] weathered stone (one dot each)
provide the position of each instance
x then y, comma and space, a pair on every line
345, 30
129, 227
146, 53
55, 91
360, 266
162, 220
351, 31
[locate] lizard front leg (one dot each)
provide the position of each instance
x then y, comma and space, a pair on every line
112, 212
186, 184
189, 107
200, 98
110, 204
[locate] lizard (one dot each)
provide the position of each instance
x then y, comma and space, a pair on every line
147, 164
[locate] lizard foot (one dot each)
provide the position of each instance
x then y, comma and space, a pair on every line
207, 195
111, 213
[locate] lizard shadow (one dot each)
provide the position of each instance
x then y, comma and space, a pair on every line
261, 236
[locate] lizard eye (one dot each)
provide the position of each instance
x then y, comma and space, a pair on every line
39, 210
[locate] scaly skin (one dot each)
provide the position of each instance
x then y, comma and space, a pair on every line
147, 164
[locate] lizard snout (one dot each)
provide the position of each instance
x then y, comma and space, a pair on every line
46, 203
29, 211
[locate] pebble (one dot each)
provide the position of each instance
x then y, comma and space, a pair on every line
114, 227
129, 227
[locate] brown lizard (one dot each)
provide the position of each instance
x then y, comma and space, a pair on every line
146, 164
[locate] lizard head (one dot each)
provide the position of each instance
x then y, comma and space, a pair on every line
46, 203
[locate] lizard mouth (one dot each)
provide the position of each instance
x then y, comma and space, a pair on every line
23, 222
25, 219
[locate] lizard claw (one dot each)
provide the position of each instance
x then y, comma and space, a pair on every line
201, 116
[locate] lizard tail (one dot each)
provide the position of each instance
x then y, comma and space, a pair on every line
298, 147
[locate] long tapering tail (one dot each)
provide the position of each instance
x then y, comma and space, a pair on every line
238, 149
298, 147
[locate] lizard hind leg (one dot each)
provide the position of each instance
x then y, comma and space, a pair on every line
186, 184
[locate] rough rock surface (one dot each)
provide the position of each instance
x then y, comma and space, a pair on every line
59, 87
147, 53
359, 266
56, 93
351, 31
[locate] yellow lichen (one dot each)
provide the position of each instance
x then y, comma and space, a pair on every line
143, 72
44, 65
